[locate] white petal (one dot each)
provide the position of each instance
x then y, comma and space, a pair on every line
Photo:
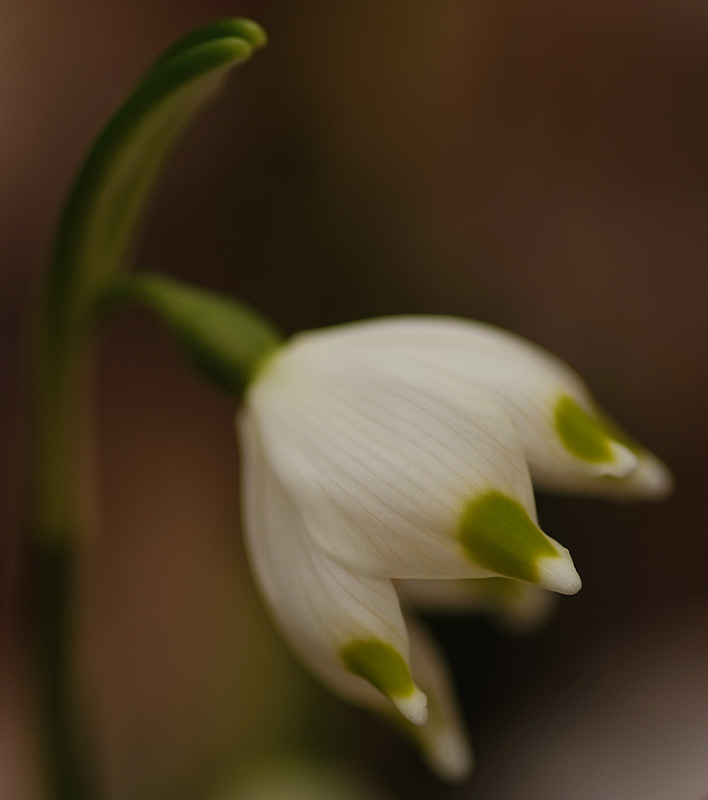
568, 441
652, 480
517, 606
348, 628
443, 739
383, 456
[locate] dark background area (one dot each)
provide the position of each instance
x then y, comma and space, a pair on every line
538, 166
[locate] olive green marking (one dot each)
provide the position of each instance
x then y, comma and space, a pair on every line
379, 664
499, 535
584, 435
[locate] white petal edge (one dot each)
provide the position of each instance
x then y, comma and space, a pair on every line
527, 380
320, 605
443, 739
381, 459
651, 481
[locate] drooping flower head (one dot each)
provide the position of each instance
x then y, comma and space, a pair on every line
393, 460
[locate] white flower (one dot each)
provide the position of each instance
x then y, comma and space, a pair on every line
383, 455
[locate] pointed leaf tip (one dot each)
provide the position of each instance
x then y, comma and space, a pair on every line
232, 28
111, 191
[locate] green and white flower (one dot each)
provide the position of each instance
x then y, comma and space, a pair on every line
384, 454
384, 463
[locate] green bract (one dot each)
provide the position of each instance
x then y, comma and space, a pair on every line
105, 205
94, 237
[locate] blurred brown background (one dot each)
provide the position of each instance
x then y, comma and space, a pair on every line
541, 166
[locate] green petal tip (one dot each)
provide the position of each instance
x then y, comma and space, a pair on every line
385, 668
498, 535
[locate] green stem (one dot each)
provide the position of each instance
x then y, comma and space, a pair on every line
94, 238
66, 772
59, 519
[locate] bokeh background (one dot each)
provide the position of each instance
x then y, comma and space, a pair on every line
541, 166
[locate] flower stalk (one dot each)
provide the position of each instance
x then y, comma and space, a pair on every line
94, 237
223, 338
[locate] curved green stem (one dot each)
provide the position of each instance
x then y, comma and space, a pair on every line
94, 237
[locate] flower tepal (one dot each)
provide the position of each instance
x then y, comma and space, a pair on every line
404, 449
